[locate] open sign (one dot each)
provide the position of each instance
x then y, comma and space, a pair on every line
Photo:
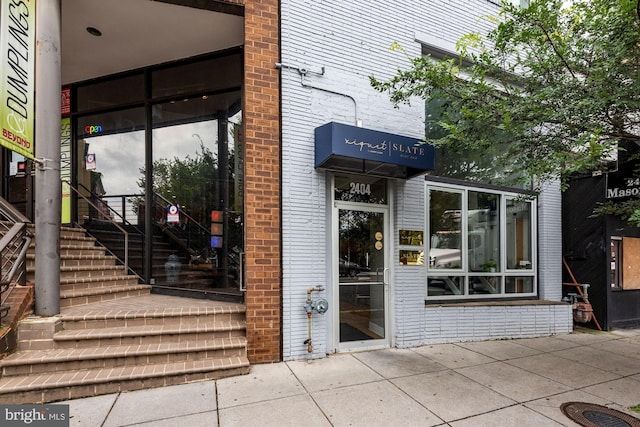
91, 129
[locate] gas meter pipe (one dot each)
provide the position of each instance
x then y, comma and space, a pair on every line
308, 308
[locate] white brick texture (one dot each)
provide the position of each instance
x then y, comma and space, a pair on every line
328, 52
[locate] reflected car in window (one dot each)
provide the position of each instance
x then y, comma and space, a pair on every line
352, 269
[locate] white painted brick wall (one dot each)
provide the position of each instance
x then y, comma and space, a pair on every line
408, 281
351, 40
550, 242
445, 324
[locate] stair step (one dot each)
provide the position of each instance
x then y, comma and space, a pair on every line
119, 243
96, 282
48, 387
118, 237
106, 317
81, 250
149, 334
67, 250
70, 298
82, 271
71, 257
59, 360
114, 335
73, 293
231, 295
75, 241
72, 250
65, 232
78, 260
97, 279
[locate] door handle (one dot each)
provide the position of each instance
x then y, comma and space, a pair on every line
384, 276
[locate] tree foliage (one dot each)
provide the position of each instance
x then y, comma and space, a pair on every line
188, 181
560, 82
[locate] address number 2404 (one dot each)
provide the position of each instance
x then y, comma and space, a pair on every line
360, 188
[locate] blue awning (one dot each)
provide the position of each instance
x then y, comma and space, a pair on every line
352, 149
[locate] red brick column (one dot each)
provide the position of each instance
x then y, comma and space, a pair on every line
262, 180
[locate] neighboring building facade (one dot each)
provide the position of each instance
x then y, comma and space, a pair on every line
355, 231
284, 118
602, 250
189, 87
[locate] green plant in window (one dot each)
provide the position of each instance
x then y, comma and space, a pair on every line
489, 266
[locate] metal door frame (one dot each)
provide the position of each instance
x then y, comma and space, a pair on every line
335, 276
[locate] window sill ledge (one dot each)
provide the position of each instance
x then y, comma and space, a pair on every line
492, 303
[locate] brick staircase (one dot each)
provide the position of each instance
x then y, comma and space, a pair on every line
114, 335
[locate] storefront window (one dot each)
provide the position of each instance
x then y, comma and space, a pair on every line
518, 235
110, 155
197, 169
487, 165
519, 285
445, 229
228, 76
113, 92
483, 215
445, 285
476, 219
485, 284
160, 177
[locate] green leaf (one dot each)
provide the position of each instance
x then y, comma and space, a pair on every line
555, 86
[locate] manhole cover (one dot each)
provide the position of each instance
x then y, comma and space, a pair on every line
591, 415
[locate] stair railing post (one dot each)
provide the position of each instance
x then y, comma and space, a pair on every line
126, 253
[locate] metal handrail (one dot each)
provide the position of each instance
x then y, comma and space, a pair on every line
111, 210
205, 231
21, 256
11, 213
191, 219
118, 226
13, 247
201, 232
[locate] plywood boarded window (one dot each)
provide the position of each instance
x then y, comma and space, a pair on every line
631, 263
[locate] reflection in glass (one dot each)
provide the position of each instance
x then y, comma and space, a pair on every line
445, 285
196, 169
411, 237
361, 312
497, 238
185, 174
518, 285
411, 257
485, 285
519, 234
103, 94
115, 142
487, 165
445, 227
483, 223
361, 275
361, 246
228, 76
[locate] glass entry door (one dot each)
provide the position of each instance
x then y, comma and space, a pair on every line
362, 278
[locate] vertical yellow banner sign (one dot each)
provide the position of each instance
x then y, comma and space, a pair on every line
17, 56
65, 168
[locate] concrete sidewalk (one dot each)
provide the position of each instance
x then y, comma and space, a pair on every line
491, 383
